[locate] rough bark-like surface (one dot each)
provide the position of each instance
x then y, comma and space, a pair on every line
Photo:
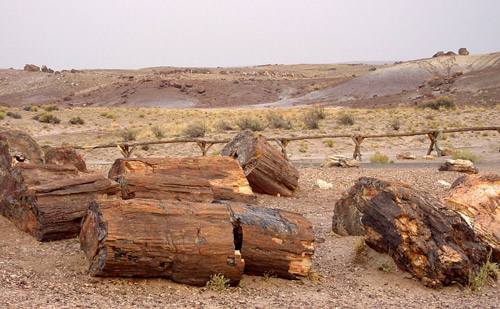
161, 187
423, 236
5, 159
51, 206
477, 199
22, 146
462, 166
341, 161
186, 242
272, 241
224, 174
65, 156
267, 169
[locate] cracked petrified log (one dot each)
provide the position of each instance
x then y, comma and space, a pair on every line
461, 166
424, 237
160, 187
267, 169
186, 242
272, 241
64, 156
224, 175
48, 201
5, 159
22, 147
477, 199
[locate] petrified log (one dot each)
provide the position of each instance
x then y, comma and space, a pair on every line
48, 201
225, 176
267, 169
186, 242
338, 160
5, 159
64, 156
160, 187
424, 237
477, 199
22, 146
272, 241
462, 166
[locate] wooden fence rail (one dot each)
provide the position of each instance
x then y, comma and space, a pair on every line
205, 144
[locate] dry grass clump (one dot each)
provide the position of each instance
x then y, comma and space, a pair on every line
195, 129
465, 155
489, 271
158, 132
218, 283
311, 120
277, 121
30, 108
50, 107
129, 134
14, 115
250, 123
395, 123
345, 118
76, 120
379, 158
438, 103
2, 115
46, 118
108, 115
222, 125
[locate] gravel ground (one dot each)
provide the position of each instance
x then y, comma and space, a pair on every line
48, 275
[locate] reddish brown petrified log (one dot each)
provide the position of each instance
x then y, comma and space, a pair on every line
186, 242
267, 169
224, 174
423, 236
48, 201
5, 159
160, 187
272, 241
477, 199
22, 146
64, 156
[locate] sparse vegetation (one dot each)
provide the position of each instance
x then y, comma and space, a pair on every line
31, 108
46, 118
250, 123
108, 115
311, 120
268, 275
129, 134
395, 123
76, 120
439, 102
314, 277
328, 142
50, 107
195, 129
13, 115
360, 250
303, 148
222, 125
345, 118
2, 115
385, 266
158, 132
379, 158
277, 121
465, 155
218, 283
489, 271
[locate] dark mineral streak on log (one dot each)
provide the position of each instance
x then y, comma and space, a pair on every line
160, 187
424, 237
64, 156
267, 169
186, 242
224, 174
48, 201
22, 146
272, 241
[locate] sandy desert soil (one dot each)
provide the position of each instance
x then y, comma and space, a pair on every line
54, 275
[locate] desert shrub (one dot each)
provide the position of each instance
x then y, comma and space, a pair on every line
488, 270
50, 107
251, 123
303, 148
108, 115
345, 118
395, 123
14, 115
222, 125
465, 155
30, 108
277, 121
195, 129
218, 283
385, 266
2, 115
379, 158
76, 120
310, 120
158, 132
141, 115
328, 142
438, 103
319, 112
46, 118
129, 134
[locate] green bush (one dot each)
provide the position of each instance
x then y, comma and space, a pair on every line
251, 123
379, 158
2, 115
30, 108
277, 121
76, 120
47, 118
438, 103
345, 119
195, 129
129, 134
13, 115
465, 155
218, 283
50, 108
328, 142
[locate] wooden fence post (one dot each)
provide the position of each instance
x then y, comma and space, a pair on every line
204, 146
125, 150
283, 143
357, 146
434, 137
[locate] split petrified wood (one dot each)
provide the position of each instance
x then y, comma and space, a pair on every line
186, 242
477, 199
22, 146
267, 169
160, 187
64, 156
49, 201
424, 237
224, 175
272, 241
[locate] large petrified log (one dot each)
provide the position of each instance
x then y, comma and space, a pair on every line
64, 156
223, 174
160, 187
424, 237
22, 146
186, 242
272, 241
267, 169
5, 159
477, 199
48, 201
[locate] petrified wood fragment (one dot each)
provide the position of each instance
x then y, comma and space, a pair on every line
267, 169
272, 241
65, 156
224, 175
477, 199
22, 147
5, 159
48, 201
423, 236
186, 242
461, 166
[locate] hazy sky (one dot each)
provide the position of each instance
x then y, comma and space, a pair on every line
134, 34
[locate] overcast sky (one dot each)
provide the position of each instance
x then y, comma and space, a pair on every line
134, 34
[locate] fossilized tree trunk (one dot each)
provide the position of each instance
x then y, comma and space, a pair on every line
5, 159
186, 242
223, 174
267, 169
22, 147
65, 156
423, 236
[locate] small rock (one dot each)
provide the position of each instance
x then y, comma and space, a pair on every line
462, 166
338, 160
463, 51
323, 184
31, 68
406, 156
